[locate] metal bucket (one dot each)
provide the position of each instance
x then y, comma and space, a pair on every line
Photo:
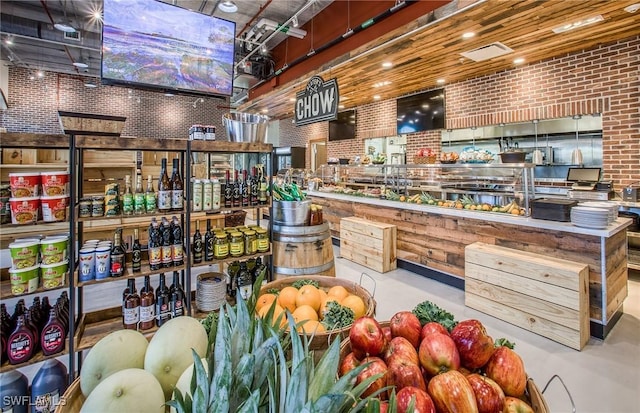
245, 127
291, 213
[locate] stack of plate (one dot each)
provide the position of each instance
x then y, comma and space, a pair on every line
612, 207
211, 293
589, 217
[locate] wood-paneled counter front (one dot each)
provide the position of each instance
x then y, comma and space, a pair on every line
434, 238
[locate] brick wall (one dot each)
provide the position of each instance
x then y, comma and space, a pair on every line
292, 135
34, 105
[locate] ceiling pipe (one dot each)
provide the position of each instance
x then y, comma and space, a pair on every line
66, 49
246, 26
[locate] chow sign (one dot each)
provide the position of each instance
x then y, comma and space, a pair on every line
317, 102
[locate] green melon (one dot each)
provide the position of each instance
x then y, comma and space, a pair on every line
184, 382
119, 350
128, 390
169, 352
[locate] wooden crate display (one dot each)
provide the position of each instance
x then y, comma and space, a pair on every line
372, 244
546, 295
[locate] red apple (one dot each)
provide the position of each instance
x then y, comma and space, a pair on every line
489, 396
377, 366
474, 344
506, 368
438, 353
406, 375
406, 324
349, 363
384, 407
399, 349
452, 393
366, 337
422, 401
515, 405
387, 333
432, 327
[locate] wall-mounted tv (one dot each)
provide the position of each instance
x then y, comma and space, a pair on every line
421, 112
149, 43
344, 127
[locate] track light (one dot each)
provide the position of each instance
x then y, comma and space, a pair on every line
295, 21
228, 6
65, 27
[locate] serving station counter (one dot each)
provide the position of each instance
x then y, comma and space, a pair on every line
431, 240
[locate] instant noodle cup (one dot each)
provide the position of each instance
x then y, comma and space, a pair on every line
54, 249
54, 208
24, 185
54, 275
24, 280
54, 183
24, 210
24, 254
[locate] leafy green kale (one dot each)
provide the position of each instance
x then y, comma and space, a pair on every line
427, 311
209, 320
337, 316
503, 342
300, 283
274, 291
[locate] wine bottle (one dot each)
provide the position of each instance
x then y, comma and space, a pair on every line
136, 253
245, 285
147, 305
253, 190
176, 296
197, 245
155, 246
131, 307
127, 197
167, 247
177, 252
139, 202
150, 197
177, 198
208, 243
163, 303
237, 195
117, 256
228, 190
245, 189
164, 189
262, 188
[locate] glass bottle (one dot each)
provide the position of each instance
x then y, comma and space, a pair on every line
176, 296
163, 302
131, 286
127, 197
244, 283
165, 190
139, 202
150, 201
237, 195
147, 305
216, 191
177, 252
131, 307
177, 187
208, 243
253, 200
118, 263
262, 188
228, 190
232, 281
155, 246
197, 245
136, 253
259, 270
245, 189
167, 244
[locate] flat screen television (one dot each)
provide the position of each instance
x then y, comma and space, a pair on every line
344, 127
421, 112
152, 44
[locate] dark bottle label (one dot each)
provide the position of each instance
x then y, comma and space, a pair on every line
177, 308
20, 348
52, 339
197, 250
117, 265
163, 309
155, 257
136, 260
167, 258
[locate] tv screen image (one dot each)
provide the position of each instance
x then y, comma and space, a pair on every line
344, 127
421, 112
155, 44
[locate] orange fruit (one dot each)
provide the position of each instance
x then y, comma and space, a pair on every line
309, 295
356, 304
304, 312
287, 298
265, 299
311, 327
323, 295
338, 291
323, 307
276, 313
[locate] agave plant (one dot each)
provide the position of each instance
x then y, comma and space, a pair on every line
256, 367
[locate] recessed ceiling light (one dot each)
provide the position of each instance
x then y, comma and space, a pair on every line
468, 35
381, 84
519, 60
65, 27
292, 99
632, 8
228, 6
579, 23
265, 110
387, 64
376, 97
440, 81
340, 106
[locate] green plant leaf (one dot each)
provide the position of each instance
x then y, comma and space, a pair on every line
251, 403
325, 371
264, 361
297, 388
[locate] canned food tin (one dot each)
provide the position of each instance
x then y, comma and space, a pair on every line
85, 207
97, 206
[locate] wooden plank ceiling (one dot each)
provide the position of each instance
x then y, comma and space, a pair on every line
424, 51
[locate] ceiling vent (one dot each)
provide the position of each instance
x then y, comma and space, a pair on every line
487, 52
73, 36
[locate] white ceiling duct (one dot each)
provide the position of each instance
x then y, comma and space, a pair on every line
275, 26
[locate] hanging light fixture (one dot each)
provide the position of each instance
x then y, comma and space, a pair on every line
65, 25
228, 6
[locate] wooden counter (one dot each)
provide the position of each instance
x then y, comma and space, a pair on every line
434, 238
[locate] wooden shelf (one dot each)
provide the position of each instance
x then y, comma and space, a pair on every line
131, 143
230, 147
126, 221
37, 358
18, 166
231, 259
112, 165
5, 290
633, 261
34, 140
11, 231
633, 234
129, 274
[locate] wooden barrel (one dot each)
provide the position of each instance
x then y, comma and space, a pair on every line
302, 251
